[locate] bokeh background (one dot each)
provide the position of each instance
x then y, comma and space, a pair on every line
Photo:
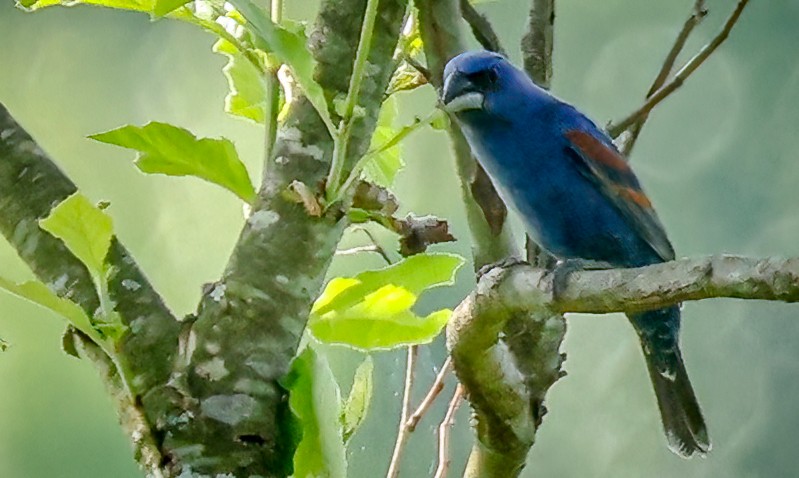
719, 159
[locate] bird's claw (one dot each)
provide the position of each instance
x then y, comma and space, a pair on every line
502, 264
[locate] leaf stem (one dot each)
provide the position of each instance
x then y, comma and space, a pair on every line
347, 119
272, 93
389, 143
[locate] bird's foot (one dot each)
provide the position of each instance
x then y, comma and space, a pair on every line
565, 267
503, 264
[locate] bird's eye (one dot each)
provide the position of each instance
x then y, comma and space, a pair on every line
484, 79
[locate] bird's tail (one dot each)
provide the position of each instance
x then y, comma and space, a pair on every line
679, 410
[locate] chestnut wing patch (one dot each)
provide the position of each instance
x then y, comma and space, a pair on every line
607, 169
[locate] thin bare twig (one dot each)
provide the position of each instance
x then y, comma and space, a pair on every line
357, 250
432, 394
698, 13
443, 433
679, 78
481, 28
403, 432
423, 70
375, 247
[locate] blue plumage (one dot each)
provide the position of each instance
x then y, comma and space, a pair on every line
579, 199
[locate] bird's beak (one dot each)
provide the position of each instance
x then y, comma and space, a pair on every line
459, 94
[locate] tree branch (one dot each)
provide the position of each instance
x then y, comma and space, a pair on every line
538, 42
481, 28
522, 288
249, 323
30, 186
614, 130
537, 45
498, 392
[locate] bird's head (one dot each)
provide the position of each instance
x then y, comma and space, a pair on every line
479, 83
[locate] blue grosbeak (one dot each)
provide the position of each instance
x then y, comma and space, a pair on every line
579, 199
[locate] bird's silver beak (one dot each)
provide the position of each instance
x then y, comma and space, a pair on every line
468, 101
459, 94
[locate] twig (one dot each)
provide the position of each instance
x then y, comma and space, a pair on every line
357, 250
403, 432
378, 248
443, 433
698, 13
481, 28
423, 70
432, 394
679, 78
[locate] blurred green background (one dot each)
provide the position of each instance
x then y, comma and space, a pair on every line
719, 159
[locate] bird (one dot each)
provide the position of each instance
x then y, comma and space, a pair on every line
579, 199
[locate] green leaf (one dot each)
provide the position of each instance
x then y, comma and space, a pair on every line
167, 149
382, 323
85, 230
162, 7
414, 274
3, 345
39, 294
247, 88
382, 167
372, 310
156, 8
135, 5
357, 404
289, 46
315, 400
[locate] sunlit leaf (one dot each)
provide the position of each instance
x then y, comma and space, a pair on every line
315, 400
85, 229
289, 46
373, 327
382, 167
135, 5
372, 310
167, 149
357, 405
162, 7
247, 88
156, 8
414, 274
